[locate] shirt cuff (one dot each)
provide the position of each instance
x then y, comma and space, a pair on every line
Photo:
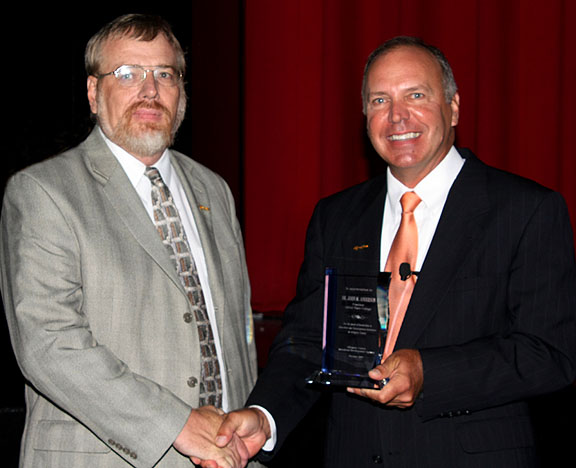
271, 442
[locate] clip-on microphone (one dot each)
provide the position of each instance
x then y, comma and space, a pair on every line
406, 272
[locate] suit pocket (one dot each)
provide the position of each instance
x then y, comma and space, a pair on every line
67, 436
496, 434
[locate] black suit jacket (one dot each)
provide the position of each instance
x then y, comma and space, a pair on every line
492, 314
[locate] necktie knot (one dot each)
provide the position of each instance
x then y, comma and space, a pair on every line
153, 174
409, 202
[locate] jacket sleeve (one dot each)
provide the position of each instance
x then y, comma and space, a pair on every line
532, 350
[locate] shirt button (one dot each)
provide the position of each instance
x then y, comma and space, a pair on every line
187, 317
192, 382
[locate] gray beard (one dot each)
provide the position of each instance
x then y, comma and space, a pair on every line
148, 140
146, 143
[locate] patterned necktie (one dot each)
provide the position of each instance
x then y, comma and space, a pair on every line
404, 250
169, 226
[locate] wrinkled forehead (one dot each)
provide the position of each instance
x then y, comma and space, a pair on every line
125, 50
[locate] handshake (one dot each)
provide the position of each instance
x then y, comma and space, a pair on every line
214, 439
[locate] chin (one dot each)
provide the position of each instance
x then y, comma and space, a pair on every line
146, 142
400, 159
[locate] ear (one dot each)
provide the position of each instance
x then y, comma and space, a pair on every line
92, 87
455, 106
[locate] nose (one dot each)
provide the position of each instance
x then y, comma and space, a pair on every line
398, 112
149, 87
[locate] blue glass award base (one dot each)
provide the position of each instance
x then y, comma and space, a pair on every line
355, 323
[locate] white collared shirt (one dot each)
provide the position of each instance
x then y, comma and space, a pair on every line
433, 191
134, 169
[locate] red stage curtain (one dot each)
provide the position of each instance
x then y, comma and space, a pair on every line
515, 65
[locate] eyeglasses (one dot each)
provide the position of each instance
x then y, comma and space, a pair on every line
134, 75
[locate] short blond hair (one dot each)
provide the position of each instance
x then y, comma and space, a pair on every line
134, 26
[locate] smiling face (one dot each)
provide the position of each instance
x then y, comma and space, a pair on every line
141, 119
409, 121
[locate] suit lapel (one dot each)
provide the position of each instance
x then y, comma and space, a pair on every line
361, 242
200, 206
126, 203
462, 222
132, 213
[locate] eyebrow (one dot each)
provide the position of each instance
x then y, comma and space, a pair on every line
411, 89
377, 93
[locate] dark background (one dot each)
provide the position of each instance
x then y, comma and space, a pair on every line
47, 112
48, 108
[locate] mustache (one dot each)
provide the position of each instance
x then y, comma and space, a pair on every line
153, 105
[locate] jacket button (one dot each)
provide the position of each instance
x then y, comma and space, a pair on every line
192, 382
187, 317
377, 459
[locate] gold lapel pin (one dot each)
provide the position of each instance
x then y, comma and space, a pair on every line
360, 247
203, 208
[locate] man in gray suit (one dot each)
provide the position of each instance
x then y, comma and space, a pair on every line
127, 363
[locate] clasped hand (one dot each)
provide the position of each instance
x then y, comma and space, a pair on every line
196, 441
213, 439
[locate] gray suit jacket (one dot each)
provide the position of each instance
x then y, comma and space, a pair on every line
95, 310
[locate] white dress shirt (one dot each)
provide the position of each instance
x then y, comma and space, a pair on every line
134, 169
433, 191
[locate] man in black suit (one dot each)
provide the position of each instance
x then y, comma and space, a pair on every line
491, 321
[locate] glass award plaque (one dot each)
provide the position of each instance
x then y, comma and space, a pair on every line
355, 323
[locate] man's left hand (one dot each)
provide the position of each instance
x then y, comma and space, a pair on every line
404, 370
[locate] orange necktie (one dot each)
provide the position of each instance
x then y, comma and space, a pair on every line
404, 250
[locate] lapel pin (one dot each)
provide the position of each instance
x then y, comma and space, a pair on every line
360, 247
203, 208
